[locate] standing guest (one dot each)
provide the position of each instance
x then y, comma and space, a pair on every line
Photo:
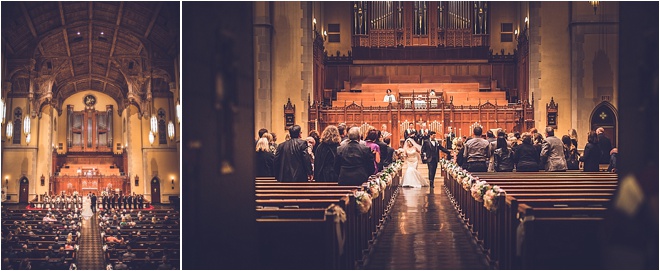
411, 130
310, 149
261, 133
342, 131
431, 152
422, 135
387, 159
490, 137
383, 150
525, 156
274, 143
271, 146
372, 137
592, 153
459, 153
354, 161
287, 137
315, 135
129, 201
114, 201
570, 153
502, 156
384, 132
326, 152
141, 201
614, 156
120, 201
573, 135
605, 145
292, 162
449, 138
265, 158
477, 152
135, 201
552, 151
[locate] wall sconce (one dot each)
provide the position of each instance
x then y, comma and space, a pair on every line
43, 180
152, 137
27, 139
172, 183
526, 22
314, 24
10, 129
170, 130
137, 180
325, 35
6, 181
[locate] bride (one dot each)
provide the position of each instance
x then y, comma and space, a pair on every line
412, 178
87, 207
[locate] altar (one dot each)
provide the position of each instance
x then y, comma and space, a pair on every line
86, 184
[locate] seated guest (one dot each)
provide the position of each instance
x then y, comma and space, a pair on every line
292, 161
164, 265
265, 158
525, 156
354, 161
389, 97
120, 265
592, 154
129, 255
112, 239
389, 153
324, 163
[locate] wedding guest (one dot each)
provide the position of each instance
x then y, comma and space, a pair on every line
326, 152
614, 156
261, 133
525, 156
592, 154
552, 151
372, 137
292, 162
477, 152
605, 145
354, 161
315, 135
570, 153
265, 159
271, 146
502, 156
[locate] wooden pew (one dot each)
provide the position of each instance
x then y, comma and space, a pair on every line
548, 205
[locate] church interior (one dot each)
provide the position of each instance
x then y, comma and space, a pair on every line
90, 104
508, 65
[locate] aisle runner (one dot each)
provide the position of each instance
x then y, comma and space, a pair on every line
425, 233
90, 254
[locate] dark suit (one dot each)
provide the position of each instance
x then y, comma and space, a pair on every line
292, 162
94, 203
104, 202
383, 153
407, 133
450, 138
141, 201
324, 162
387, 159
605, 146
431, 149
264, 163
113, 201
354, 162
129, 202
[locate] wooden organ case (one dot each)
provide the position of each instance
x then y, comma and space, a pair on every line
89, 130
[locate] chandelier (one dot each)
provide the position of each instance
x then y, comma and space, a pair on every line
594, 4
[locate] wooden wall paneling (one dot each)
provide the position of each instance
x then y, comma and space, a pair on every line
331, 77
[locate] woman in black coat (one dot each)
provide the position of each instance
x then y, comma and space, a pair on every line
264, 159
526, 156
592, 153
326, 152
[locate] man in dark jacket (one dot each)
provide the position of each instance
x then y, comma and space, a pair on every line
354, 161
383, 152
605, 145
431, 150
387, 159
292, 161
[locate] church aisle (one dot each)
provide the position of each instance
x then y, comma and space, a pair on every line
425, 232
90, 254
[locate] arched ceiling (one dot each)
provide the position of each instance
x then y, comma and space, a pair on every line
78, 46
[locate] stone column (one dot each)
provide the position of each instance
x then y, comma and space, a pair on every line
263, 29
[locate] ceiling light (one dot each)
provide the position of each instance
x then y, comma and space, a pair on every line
101, 32
78, 33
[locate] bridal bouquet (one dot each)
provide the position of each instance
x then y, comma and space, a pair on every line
479, 189
490, 197
363, 201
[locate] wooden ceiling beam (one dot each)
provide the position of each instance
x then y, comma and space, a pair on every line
153, 20
28, 19
114, 41
59, 5
90, 29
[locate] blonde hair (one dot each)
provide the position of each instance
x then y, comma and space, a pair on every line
268, 136
330, 135
572, 133
262, 145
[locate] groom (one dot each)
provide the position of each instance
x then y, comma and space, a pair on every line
431, 154
93, 203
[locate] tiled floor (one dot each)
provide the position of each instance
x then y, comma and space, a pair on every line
90, 255
425, 232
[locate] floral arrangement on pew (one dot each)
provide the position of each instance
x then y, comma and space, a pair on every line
490, 197
374, 187
363, 200
479, 189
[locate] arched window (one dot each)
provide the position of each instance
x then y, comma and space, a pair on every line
162, 127
18, 115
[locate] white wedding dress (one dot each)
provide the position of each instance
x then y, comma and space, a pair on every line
412, 178
87, 208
